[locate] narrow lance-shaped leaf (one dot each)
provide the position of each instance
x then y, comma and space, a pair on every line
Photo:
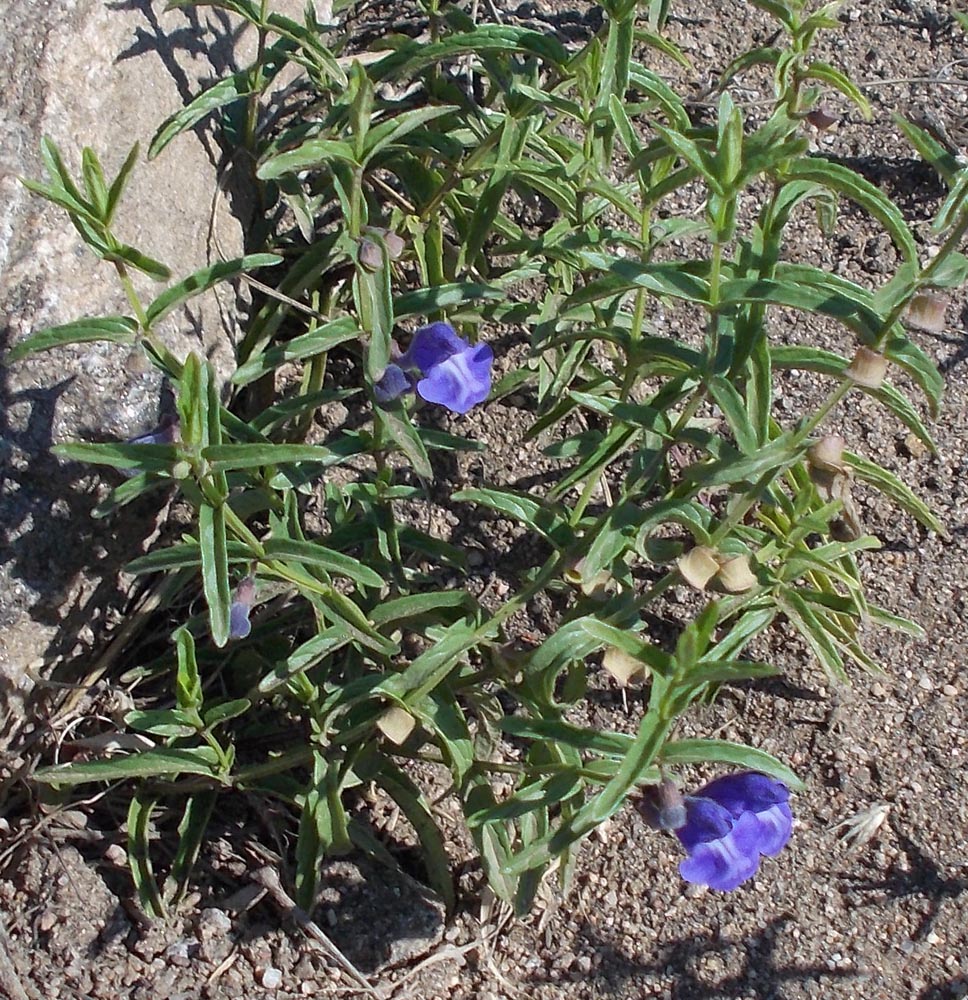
215, 570
115, 329
204, 279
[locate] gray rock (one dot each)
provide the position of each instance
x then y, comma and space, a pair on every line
83, 72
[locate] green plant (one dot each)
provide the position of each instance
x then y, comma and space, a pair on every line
409, 206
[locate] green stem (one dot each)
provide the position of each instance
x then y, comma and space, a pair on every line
132, 296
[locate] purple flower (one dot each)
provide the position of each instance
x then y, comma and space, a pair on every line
730, 823
239, 624
395, 382
451, 372
165, 433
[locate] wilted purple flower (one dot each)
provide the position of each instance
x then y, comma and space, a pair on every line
662, 806
239, 624
453, 373
730, 823
166, 432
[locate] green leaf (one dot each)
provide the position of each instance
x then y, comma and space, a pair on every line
432, 667
780, 453
227, 91
309, 345
191, 833
846, 182
316, 554
229, 457
411, 57
816, 359
425, 301
397, 423
920, 367
389, 132
116, 329
162, 722
162, 762
125, 254
693, 156
702, 751
412, 608
853, 307
204, 279
303, 658
227, 710
414, 806
312, 154
930, 149
809, 621
670, 279
147, 457
373, 295
139, 853
892, 487
215, 570
834, 78
188, 686
94, 181
523, 507
120, 182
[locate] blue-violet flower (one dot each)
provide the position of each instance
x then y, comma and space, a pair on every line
244, 598
449, 371
730, 823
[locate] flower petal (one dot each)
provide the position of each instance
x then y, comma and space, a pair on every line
239, 624
394, 382
460, 381
707, 820
747, 791
776, 825
432, 345
726, 862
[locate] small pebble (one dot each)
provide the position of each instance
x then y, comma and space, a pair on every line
925, 683
949, 690
270, 978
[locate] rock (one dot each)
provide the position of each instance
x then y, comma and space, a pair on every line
82, 72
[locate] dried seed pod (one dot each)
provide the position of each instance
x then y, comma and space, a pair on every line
596, 586
396, 724
735, 575
828, 453
698, 566
926, 312
622, 666
868, 368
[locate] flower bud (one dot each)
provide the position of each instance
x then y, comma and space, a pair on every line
926, 312
662, 806
735, 575
371, 255
622, 666
868, 368
396, 724
698, 566
827, 454
820, 120
395, 245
